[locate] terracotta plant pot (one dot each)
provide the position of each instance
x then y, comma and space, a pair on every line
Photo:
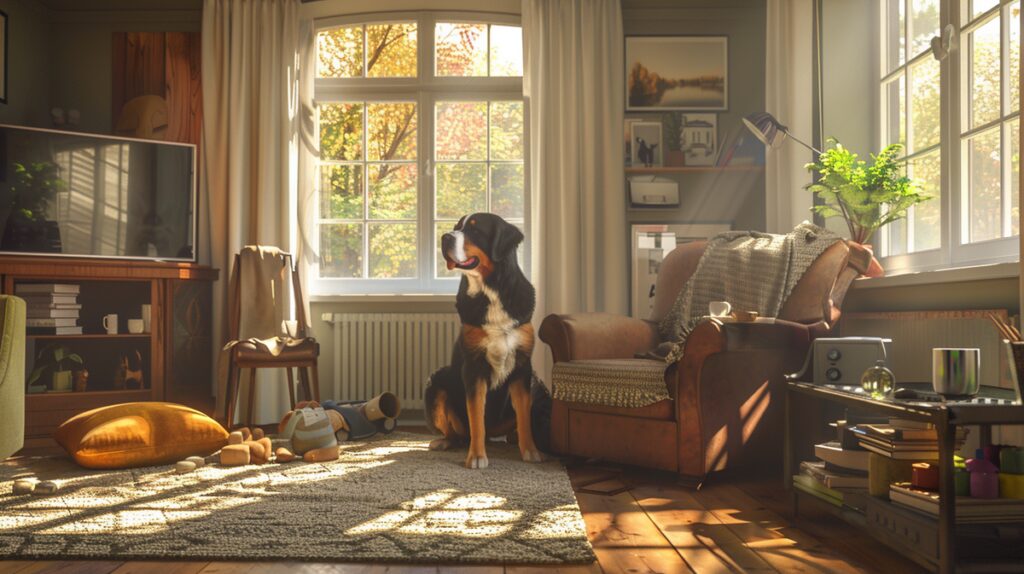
875, 268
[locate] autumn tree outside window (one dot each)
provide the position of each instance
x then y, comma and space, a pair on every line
421, 120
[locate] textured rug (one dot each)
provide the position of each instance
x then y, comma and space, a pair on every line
385, 500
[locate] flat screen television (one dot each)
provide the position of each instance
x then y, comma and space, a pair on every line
84, 195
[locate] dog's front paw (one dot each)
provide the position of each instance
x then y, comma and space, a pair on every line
440, 444
531, 455
474, 461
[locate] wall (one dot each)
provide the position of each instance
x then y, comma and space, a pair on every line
849, 70
736, 197
28, 63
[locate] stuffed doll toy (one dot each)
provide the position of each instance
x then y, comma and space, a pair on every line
312, 433
246, 447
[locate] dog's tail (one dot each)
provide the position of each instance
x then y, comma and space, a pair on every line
540, 414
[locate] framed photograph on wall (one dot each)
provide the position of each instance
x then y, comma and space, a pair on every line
3, 57
677, 73
698, 138
646, 148
628, 137
651, 243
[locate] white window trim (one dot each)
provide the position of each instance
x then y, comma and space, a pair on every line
953, 252
424, 90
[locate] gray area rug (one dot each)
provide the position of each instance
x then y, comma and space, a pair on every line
385, 500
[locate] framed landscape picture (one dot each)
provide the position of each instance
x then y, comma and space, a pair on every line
677, 73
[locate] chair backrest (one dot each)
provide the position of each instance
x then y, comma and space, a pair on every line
818, 296
235, 308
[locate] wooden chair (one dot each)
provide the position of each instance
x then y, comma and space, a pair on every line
246, 355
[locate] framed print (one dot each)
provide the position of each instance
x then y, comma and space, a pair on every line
698, 138
677, 73
627, 135
646, 148
651, 243
3, 57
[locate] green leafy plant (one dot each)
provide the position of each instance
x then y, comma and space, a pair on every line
866, 197
54, 359
34, 186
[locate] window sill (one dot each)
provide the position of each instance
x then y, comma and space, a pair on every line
961, 274
384, 298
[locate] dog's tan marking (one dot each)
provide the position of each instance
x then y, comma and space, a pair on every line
473, 338
526, 338
521, 402
486, 266
445, 423
475, 403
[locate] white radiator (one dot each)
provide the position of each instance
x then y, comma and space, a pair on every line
394, 352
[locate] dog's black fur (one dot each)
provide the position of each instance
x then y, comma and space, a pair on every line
494, 297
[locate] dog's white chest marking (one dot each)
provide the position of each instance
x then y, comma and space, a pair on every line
503, 337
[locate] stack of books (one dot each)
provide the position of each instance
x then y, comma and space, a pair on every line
53, 308
903, 439
968, 510
836, 471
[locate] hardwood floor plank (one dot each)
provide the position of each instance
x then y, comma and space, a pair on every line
158, 567
706, 544
787, 549
13, 566
624, 538
71, 567
594, 568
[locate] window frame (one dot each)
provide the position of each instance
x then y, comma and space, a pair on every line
954, 250
425, 90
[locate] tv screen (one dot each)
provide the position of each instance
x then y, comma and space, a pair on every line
75, 194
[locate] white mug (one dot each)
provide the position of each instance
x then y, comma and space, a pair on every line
110, 323
135, 325
719, 308
147, 318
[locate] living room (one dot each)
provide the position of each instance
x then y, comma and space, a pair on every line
568, 285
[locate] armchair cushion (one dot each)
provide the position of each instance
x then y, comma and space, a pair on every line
624, 383
584, 336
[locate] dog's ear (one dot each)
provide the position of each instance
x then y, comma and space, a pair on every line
506, 239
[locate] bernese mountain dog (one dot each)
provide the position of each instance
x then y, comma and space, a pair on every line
489, 389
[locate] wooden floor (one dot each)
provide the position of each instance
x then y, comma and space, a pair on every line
658, 526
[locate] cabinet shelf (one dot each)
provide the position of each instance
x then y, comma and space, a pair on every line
94, 336
695, 169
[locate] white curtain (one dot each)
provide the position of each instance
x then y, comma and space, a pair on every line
573, 85
249, 54
789, 95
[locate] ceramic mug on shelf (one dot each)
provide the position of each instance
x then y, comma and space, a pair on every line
136, 326
110, 323
147, 317
956, 372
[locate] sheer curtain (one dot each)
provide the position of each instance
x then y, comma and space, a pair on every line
250, 124
573, 83
789, 95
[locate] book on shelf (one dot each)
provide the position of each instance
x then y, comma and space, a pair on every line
830, 479
51, 322
50, 313
910, 424
811, 486
967, 509
892, 433
51, 300
833, 453
66, 288
55, 330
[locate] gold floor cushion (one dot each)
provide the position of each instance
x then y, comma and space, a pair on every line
139, 434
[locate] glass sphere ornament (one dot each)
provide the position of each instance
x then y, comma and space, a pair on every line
878, 381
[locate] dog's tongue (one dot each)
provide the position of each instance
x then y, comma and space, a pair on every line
451, 264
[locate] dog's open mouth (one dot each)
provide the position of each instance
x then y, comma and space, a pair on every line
468, 264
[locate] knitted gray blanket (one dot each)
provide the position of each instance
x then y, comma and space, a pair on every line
751, 270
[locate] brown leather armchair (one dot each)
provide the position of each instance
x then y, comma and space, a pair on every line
725, 401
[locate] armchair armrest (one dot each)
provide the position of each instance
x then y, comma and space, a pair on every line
596, 336
711, 336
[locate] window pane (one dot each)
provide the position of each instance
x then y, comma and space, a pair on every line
979, 7
340, 53
924, 24
895, 24
392, 250
926, 170
440, 267
985, 185
924, 104
341, 132
507, 190
506, 130
341, 192
341, 250
896, 111
392, 190
460, 49
897, 238
1014, 190
391, 51
461, 132
506, 51
1014, 62
391, 131
984, 73
461, 189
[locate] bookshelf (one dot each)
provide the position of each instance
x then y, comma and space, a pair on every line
176, 354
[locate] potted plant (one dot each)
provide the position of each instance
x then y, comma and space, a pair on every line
54, 363
867, 197
674, 155
35, 185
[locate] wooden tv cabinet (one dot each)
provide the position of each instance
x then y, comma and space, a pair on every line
177, 352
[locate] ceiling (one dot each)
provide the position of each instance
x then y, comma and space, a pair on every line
121, 5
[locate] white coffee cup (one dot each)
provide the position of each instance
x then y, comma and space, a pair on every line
110, 323
136, 326
719, 308
147, 317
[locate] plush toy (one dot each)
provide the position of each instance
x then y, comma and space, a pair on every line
246, 447
312, 432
